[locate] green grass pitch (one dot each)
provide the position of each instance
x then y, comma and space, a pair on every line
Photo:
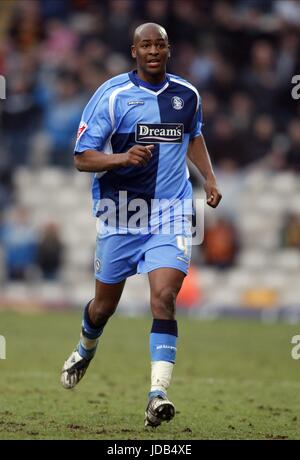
233, 380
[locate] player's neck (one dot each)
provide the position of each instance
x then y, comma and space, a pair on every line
151, 79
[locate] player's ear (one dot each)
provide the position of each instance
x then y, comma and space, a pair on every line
169, 52
133, 51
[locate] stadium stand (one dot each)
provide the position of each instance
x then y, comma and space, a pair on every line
241, 55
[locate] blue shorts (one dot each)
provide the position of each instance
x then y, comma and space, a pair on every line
121, 255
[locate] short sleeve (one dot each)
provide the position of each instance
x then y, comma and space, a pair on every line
95, 126
197, 123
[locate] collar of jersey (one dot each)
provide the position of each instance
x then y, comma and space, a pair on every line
152, 89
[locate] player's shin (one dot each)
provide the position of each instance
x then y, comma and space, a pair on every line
89, 336
163, 341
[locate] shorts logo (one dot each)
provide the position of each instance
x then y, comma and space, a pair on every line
82, 127
97, 265
177, 103
159, 133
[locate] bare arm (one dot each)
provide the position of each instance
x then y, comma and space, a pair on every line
199, 156
94, 161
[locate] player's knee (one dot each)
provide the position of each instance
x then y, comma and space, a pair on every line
163, 303
101, 311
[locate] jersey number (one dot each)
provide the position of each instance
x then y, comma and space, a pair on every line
182, 244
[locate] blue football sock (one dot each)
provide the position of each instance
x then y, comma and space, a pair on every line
163, 342
90, 334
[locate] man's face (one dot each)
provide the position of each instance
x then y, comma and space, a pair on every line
151, 51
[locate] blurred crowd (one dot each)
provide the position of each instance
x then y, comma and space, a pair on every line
240, 54
30, 253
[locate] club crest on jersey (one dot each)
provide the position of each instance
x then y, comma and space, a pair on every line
82, 127
159, 133
177, 103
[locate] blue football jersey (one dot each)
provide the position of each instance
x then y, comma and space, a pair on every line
125, 111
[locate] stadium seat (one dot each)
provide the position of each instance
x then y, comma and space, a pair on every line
287, 259
253, 259
261, 262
